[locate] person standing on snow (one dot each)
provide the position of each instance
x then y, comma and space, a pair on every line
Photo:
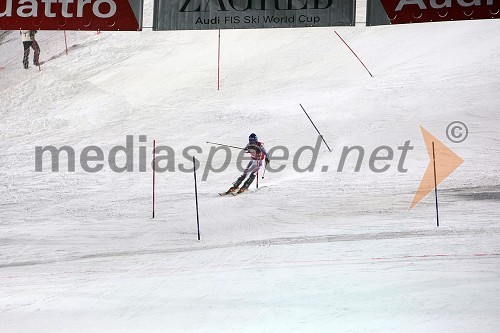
28, 38
258, 154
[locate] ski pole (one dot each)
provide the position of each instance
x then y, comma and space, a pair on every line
219, 144
263, 173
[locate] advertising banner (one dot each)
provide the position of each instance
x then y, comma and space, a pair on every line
106, 15
381, 12
246, 14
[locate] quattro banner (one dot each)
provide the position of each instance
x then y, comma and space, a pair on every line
381, 12
106, 15
246, 14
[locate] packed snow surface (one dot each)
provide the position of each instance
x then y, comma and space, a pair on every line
321, 251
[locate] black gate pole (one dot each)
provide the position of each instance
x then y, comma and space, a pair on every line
315, 128
435, 183
196, 196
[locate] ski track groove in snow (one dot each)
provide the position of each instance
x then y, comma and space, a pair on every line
271, 242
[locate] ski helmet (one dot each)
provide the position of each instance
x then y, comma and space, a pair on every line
252, 138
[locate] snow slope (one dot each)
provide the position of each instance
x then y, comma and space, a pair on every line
314, 251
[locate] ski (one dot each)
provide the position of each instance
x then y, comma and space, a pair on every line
230, 191
242, 190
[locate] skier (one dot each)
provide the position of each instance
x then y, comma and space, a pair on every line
258, 153
28, 38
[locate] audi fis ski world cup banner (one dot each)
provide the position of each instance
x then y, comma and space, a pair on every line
244, 14
381, 12
110, 15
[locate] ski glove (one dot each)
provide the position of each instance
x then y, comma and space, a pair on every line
267, 160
